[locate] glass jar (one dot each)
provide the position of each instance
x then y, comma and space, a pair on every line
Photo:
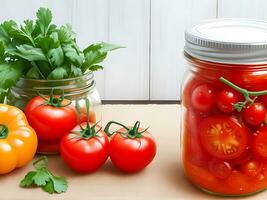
224, 123
76, 89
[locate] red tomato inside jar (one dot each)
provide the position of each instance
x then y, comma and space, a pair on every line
224, 101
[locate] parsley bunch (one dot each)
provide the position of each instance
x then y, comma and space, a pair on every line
43, 178
41, 50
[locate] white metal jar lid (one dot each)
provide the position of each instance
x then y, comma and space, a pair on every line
231, 41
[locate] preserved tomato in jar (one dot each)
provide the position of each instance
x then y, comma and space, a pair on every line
224, 104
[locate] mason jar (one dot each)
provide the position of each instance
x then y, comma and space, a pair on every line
224, 106
76, 89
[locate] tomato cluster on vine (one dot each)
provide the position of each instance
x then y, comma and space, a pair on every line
225, 133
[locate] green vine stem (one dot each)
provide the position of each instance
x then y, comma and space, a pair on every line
246, 93
130, 132
53, 100
89, 131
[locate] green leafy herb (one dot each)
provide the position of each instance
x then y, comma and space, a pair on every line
43, 178
46, 51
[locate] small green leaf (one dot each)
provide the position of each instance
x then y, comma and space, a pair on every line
28, 179
106, 47
46, 43
49, 187
66, 34
41, 177
28, 27
5, 30
72, 54
75, 71
92, 58
44, 18
56, 56
95, 67
60, 184
58, 73
30, 53
9, 74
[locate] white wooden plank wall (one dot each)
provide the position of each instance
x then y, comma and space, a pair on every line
152, 65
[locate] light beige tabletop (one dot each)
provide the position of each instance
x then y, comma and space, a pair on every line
163, 179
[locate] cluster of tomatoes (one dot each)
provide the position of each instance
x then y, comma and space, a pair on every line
225, 137
84, 146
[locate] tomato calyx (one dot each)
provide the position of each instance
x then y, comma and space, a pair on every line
247, 95
54, 100
131, 132
3, 131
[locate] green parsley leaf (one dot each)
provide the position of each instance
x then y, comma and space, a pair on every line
29, 53
95, 67
28, 179
49, 187
9, 74
58, 73
43, 178
44, 18
60, 184
56, 56
72, 54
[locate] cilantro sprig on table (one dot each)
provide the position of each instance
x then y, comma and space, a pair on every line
41, 50
43, 178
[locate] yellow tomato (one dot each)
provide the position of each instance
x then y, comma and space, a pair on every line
18, 141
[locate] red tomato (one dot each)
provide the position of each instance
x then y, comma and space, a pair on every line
225, 100
223, 137
187, 90
251, 168
259, 143
203, 98
84, 155
254, 114
220, 169
50, 122
132, 154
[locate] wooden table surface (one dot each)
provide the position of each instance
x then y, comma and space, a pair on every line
163, 179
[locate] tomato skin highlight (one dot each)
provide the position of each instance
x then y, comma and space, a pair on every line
223, 137
254, 114
84, 155
50, 123
225, 100
132, 155
203, 98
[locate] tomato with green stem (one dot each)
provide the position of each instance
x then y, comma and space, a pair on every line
249, 96
131, 148
51, 117
225, 100
254, 114
86, 148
